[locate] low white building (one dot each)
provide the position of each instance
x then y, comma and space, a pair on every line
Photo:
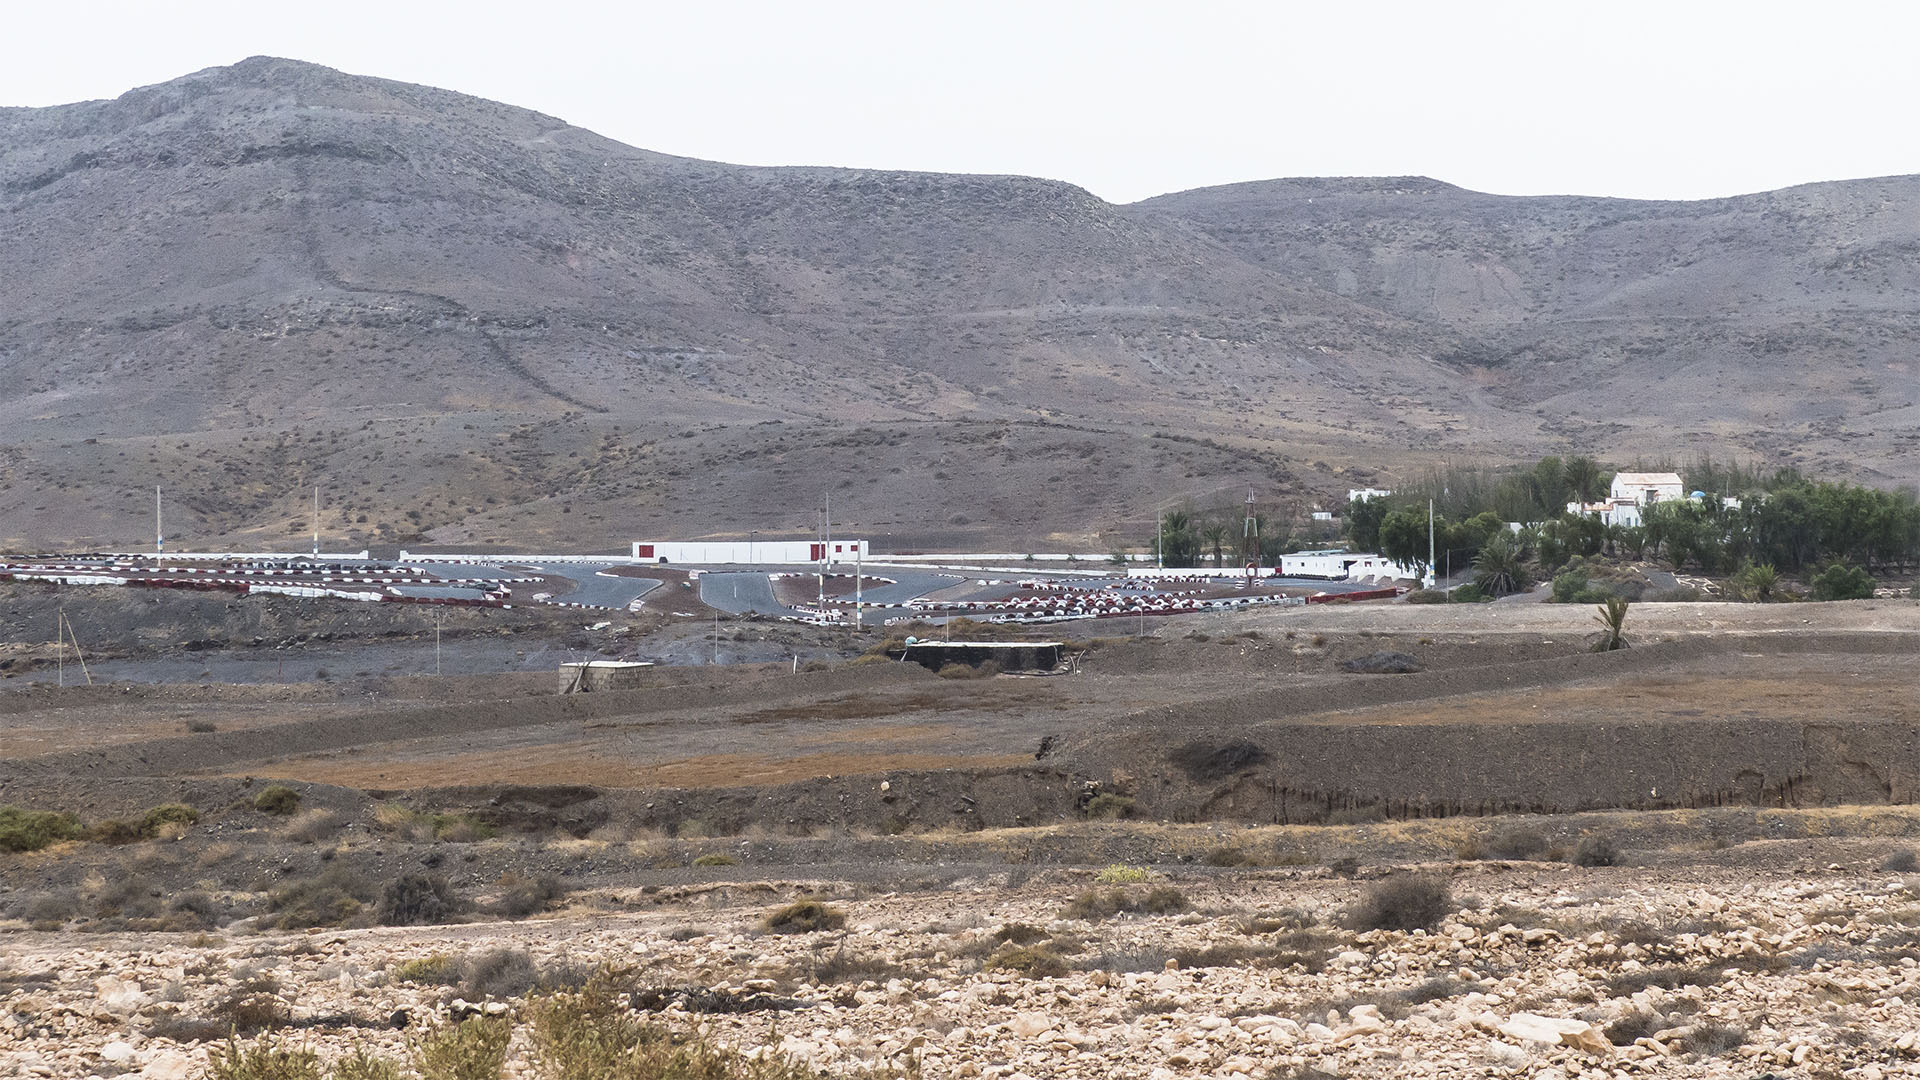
1334, 564
1354, 494
717, 552
1632, 493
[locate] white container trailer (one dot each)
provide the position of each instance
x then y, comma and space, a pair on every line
749, 552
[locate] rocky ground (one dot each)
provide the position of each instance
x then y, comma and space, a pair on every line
1547, 971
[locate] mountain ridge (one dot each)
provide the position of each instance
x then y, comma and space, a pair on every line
227, 283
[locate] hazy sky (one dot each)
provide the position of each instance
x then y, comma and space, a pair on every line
1653, 100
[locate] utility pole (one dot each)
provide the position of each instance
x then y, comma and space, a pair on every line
858, 622
316, 521
1430, 567
159, 534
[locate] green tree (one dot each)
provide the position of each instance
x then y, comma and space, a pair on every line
1363, 522
1842, 581
1584, 479
1214, 535
1403, 538
1500, 569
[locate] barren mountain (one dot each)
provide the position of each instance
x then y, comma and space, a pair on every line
472, 323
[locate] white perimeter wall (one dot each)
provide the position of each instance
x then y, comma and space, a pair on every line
748, 551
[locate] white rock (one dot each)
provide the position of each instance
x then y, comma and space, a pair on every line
168, 1065
1319, 1033
1029, 1025
118, 1051
1556, 1031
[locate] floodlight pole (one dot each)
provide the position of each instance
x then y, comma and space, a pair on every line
1430, 568
159, 533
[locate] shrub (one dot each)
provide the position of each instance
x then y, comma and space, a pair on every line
1412, 902
364, 1065
1019, 934
128, 895
1095, 904
263, 1060
158, 819
1517, 843
1108, 806
1122, 874
1033, 961
439, 969
1842, 581
522, 896
1227, 856
1426, 596
1596, 850
805, 917
312, 826
474, 1049
461, 828
1469, 594
500, 973
278, 800
32, 830
416, 900
1901, 862
589, 1035
115, 831
200, 727
49, 911
716, 859
1712, 1040
332, 898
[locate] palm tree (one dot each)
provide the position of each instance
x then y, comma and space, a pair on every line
1612, 617
1499, 569
1582, 475
1214, 534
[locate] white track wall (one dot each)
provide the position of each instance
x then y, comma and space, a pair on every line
706, 553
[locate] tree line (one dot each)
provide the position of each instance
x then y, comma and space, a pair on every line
1776, 520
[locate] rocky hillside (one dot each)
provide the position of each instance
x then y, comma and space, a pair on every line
472, 323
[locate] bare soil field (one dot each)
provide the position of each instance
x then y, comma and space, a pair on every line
1687, 858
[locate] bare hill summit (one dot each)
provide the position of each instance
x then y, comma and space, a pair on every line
472, 323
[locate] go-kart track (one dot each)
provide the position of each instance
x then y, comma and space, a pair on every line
812, 594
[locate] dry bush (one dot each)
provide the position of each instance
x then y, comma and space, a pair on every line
522, 896
1596, 850
416, 900
1108, 806
1019, 934
1093, 905
278, 800
589, 1035
474, 1049
334, 897
437, 969
842, 966
1712, 1040
1227, 856
804, 917
168, 818
1901, 862
716, 859
1517, 843
1033, 961
499, 973
264, 1059
1410, 902
312, 826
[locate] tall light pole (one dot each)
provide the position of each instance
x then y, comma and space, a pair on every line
1430, 567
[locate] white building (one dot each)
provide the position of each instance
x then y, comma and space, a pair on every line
1333, 564
1367, 493
716, 552
1631, 493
